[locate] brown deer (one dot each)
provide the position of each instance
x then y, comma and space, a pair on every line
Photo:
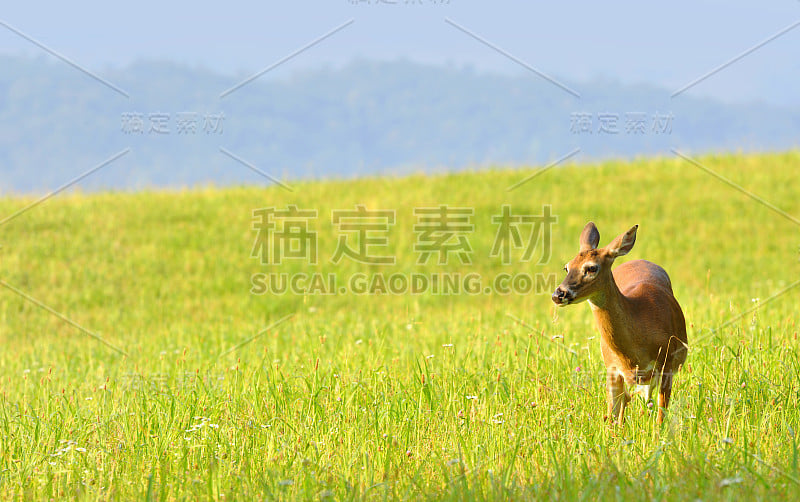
642, 329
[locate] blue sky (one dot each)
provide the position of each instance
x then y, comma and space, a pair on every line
669, 44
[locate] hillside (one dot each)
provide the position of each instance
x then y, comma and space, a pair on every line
361, 395
365, 118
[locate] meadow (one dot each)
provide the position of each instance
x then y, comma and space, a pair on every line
138, 361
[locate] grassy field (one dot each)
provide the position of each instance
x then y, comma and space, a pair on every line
394, 396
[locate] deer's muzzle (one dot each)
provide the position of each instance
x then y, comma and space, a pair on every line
562, 296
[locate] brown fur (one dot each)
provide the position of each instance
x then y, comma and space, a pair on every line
642, 328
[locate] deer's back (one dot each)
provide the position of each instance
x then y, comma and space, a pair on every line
631, 273
648, 288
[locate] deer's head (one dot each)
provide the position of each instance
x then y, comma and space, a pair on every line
589, 272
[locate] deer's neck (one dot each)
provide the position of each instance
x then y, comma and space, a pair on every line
611, 312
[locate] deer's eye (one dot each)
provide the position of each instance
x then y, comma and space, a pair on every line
590, 269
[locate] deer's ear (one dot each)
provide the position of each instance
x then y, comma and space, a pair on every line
590, 237
623, 243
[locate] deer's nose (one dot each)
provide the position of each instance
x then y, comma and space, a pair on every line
559, 295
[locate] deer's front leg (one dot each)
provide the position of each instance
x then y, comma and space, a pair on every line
616, 395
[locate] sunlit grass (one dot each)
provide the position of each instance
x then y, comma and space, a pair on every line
393, 396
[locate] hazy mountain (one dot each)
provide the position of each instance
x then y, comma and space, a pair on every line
57, 122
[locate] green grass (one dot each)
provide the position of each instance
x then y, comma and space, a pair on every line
394, 396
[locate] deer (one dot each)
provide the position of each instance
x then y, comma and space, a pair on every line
642, 328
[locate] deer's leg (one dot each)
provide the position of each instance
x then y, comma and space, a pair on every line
616, 396
665, 390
